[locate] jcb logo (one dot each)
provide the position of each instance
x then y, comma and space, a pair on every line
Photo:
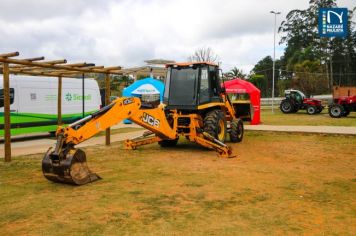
150, 120
127, 101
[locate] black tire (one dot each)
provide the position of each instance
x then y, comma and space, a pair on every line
168, 142
287, 106
336, 110
236, 131
319, 109
215, 125
311, 110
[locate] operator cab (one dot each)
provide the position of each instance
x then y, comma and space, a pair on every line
191, 84
295, 95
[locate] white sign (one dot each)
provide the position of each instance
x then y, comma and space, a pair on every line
146, 89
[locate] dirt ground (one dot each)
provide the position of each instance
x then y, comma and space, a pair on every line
278, 184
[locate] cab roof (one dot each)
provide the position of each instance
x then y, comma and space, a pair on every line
190, 64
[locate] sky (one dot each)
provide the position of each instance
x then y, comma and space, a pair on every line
126, 32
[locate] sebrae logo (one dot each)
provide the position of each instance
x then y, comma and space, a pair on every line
332, 22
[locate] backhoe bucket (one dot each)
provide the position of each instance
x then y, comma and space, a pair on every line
72, 168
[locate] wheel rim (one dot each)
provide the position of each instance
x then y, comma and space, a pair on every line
221, 130
286, 106
336, 111
311, 110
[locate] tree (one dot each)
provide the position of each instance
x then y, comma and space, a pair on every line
309, 77
265, 67
236, 73
203, 54
337, 55
260, 81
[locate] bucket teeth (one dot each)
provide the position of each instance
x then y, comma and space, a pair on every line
70, 169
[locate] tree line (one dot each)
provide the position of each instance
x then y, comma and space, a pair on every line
309, 63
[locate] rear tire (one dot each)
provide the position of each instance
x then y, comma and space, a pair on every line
311, 110
168, 142
237, 131
215, 125
287, 106
336, 110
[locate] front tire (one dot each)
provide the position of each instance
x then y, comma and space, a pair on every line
286, 106
311, 110
215, 125
336, 110
236, 131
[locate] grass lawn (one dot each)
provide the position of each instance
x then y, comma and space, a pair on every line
302, 118
279, 184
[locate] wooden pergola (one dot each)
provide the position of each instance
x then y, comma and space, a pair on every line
38, 66
145, 71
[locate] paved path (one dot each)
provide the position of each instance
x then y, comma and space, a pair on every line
41, 145
305, 129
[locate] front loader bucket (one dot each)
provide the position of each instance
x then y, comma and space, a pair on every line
70, 169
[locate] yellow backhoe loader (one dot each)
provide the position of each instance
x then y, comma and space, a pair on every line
194, 106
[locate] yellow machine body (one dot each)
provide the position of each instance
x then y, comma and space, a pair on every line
67, 164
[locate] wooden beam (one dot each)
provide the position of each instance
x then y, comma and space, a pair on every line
49, 70
113, 68
11, 54
54, 72
59, 67
35, 59
72, 75
7, 126
63, 61
107, 101
59, 101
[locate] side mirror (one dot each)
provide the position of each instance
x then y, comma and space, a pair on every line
220, 73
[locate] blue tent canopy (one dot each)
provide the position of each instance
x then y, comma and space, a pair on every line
143, 86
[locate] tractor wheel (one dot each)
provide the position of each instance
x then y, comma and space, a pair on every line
311, 110
215, 125
336, 110
237, 131
319, 109
287, 106
168, 142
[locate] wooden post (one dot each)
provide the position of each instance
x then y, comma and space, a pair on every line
7, 127
107, 101
59, 101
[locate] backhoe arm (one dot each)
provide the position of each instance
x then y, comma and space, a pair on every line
67, 164
120, 109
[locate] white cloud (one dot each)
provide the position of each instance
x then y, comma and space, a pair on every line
128, 32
